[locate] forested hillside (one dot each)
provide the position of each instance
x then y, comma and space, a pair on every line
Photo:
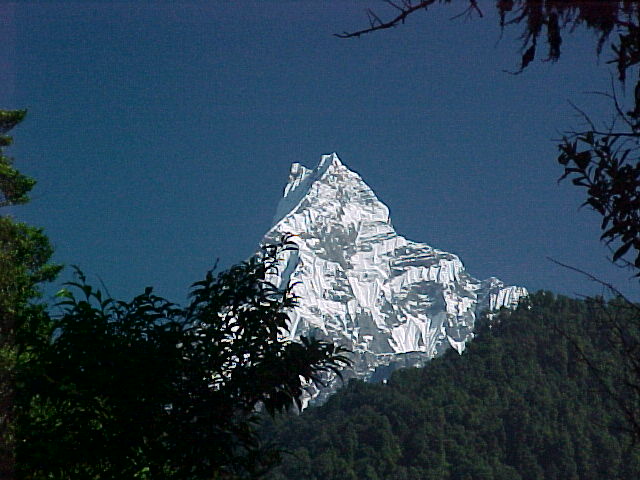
522, 402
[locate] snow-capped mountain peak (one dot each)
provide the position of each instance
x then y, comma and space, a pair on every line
365, 286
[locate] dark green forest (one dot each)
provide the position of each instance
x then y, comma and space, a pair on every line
531, 398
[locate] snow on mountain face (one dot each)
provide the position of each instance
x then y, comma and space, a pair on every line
363, 285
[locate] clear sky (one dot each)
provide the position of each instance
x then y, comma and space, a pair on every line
161, 133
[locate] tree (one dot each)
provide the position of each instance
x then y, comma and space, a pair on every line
147, 389
24, 264
140, 389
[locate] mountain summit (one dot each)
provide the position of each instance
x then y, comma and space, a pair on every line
388, 299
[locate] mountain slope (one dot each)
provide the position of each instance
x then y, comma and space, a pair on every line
519, 404
390, 300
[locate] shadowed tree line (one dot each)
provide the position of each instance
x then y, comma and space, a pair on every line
519, 404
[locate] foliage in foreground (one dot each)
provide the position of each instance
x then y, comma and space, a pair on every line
146, 389
520, 403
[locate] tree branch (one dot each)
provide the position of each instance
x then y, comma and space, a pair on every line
405, 11
473, 6
595, 279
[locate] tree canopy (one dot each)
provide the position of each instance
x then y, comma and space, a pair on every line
520, 403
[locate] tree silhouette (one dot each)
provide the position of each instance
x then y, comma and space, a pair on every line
147, 389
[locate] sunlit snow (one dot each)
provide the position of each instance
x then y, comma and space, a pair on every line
365, 286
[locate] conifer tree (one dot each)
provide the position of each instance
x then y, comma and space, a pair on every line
24, 264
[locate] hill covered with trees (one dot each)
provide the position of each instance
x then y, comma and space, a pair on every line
538, 394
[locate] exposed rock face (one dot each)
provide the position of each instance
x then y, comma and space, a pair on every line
392, 301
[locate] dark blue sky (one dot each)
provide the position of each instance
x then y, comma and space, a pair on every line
161, 134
